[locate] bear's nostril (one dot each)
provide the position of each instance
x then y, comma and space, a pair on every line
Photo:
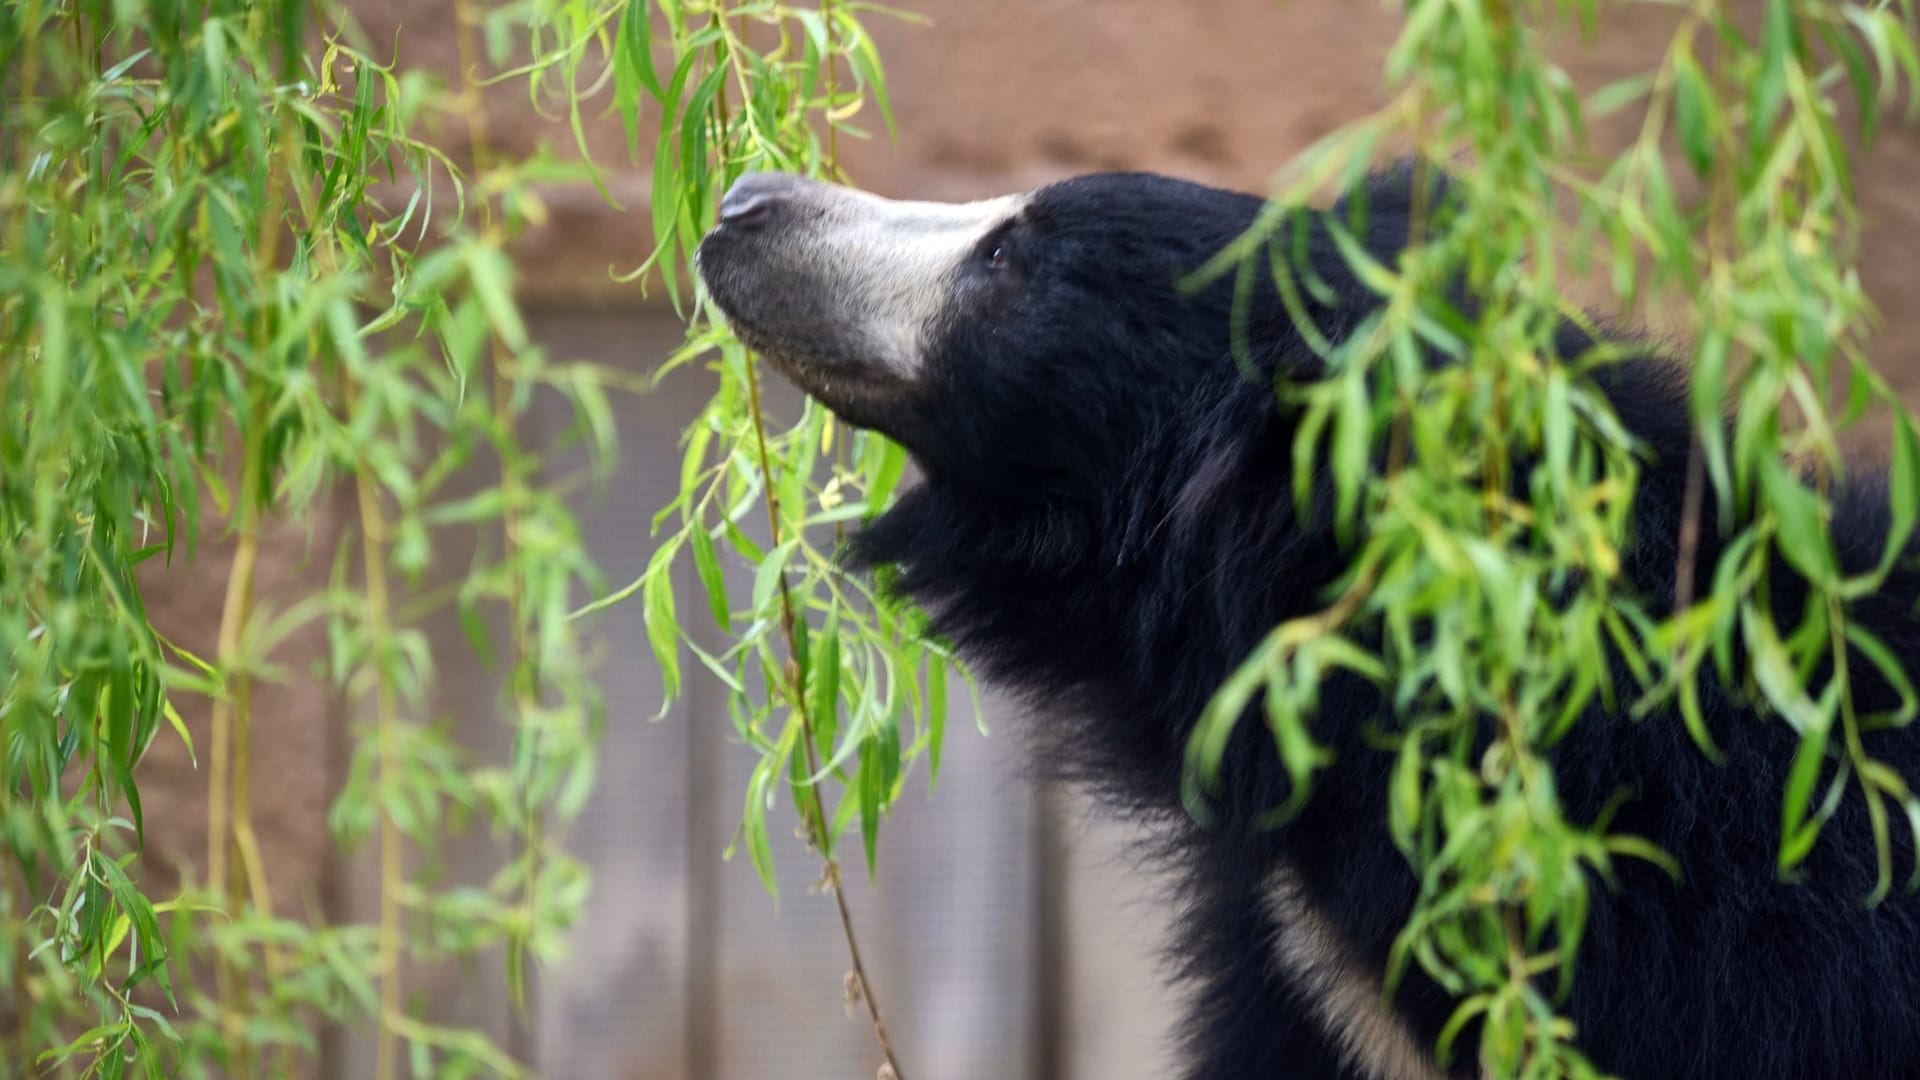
760, 199
747, 209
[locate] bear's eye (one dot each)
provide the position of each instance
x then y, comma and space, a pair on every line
998, 253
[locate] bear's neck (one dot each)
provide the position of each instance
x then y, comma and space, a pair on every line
1106, 612
1109, 612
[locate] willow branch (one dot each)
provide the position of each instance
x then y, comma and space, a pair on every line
523, 680
813, 808
373, 545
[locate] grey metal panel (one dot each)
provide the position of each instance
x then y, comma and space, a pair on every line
617, 1006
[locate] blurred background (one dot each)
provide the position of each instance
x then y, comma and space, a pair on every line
1010, 934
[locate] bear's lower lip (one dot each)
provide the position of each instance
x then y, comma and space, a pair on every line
817, 378
857, 395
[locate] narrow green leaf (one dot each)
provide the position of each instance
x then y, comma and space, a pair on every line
823, 704
936, 716
707, 565
1903, 489
871, 793
1800, 517
1693, 111
767, 580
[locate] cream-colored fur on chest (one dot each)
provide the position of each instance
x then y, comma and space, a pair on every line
1345, 994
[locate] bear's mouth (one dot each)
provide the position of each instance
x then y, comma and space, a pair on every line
863, 395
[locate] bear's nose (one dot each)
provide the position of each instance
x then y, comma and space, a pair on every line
756, 198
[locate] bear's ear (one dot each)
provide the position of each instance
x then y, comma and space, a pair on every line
1381, 209
1391, 191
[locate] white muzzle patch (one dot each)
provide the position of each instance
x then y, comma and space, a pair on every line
838, 287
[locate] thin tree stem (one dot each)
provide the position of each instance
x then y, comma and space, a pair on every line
814, 808
230, 714
373, 540
523, 679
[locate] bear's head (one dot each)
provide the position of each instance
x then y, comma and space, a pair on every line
1029, 342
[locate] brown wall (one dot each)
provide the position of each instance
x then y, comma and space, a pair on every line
1000, 95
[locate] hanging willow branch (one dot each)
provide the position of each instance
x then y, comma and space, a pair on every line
265, 328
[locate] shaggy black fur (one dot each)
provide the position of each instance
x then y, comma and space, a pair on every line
1106, 526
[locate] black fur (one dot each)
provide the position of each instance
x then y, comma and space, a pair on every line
1107, 527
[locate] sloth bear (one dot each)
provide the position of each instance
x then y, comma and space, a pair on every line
1106, 527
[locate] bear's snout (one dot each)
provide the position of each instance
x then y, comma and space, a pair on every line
842, 290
